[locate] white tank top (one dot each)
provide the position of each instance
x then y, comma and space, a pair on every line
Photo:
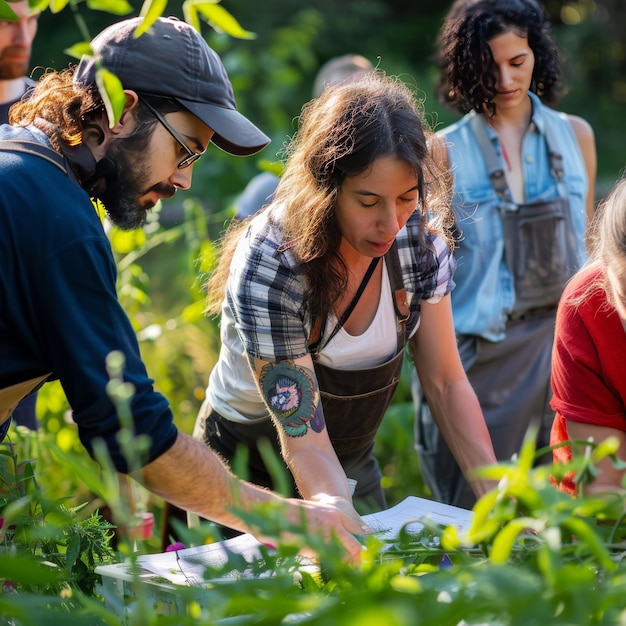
374, 346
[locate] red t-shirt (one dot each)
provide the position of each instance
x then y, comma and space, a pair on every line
588, 377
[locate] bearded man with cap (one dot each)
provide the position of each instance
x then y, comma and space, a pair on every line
16, 38
60, 317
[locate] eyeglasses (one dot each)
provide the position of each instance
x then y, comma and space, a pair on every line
192, 156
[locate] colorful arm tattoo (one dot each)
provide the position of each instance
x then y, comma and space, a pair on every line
290, 392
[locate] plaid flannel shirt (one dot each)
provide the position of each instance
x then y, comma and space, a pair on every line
265, 293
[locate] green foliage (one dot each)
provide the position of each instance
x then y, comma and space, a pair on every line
6, 12
216, 16
532, 556
166, 304
45, 546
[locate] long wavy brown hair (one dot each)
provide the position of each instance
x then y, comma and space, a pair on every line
467, 76
58, 106
63, 109
340, 134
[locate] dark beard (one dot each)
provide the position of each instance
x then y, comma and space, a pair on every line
121, 197
10, 69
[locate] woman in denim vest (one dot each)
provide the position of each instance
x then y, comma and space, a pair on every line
523, 177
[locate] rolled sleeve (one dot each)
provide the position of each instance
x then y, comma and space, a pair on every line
265, 295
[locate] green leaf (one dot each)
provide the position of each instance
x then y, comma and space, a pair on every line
217, 17
450, 538
78, 50
275, 468
191, 15
482, 510
56, 6
38, 5
89, 471
6, 12
24, 570
505, 539
607, 447
586, 535
14, 510
112, 94
123, 241
116, 7
190, 11
601, 506
162, 237
73, 551
493, 472
273, 167
193, 312
151, 11
527, 454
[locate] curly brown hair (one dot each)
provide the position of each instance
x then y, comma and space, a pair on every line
63, 109
467, 76
61, 103
340, 134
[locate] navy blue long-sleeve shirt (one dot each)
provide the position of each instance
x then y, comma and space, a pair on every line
59, 310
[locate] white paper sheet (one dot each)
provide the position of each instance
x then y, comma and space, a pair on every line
188, 566
389, 522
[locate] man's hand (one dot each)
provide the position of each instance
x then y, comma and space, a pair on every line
331, 515
174, 476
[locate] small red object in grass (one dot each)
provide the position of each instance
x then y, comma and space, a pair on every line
8, 586
144, 528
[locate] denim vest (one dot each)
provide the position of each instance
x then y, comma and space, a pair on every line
484, 294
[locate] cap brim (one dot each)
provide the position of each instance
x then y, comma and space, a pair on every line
234, 133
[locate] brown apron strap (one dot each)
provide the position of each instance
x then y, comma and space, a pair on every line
398, 291
397, 284
316, 334
10, 396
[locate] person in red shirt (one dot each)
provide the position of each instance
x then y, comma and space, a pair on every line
588, 382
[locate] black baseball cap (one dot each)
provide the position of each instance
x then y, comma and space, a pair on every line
172, 60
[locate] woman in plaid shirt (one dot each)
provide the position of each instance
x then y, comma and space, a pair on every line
321, 291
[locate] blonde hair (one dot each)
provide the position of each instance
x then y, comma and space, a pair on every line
606, 240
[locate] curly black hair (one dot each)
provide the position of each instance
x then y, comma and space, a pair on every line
467, 75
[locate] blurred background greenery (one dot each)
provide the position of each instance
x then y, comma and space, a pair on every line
272, 74
161, 274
